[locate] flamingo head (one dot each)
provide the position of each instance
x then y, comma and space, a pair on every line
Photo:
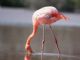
59, 16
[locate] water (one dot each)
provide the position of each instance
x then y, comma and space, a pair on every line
53, 56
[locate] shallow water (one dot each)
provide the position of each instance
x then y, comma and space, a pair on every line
53, 56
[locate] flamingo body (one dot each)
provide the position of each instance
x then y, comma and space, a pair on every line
47, 15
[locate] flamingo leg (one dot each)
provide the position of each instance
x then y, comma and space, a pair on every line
43, 41
55, 42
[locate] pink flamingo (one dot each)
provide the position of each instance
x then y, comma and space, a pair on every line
45, 15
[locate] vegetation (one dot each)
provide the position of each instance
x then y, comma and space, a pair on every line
64, 5
12, 3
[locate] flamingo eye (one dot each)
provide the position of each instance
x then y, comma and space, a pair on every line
48, 16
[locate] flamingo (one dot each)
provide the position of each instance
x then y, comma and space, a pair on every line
45, 15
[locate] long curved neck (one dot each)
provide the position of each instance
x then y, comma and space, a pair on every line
35, 27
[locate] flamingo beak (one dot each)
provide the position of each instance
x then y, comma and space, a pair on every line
63, 17
60, 16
